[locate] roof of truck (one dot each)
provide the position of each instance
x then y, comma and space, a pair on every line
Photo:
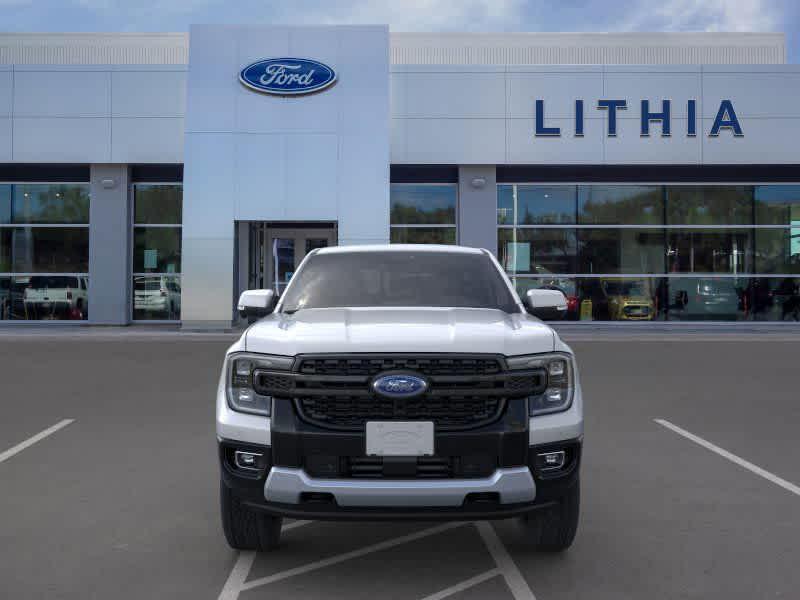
400, 248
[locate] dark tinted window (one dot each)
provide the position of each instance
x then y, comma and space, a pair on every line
399, 279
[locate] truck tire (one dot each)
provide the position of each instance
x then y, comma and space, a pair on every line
553, 529
247, 529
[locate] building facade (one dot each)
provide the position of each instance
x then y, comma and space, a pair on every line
153, 177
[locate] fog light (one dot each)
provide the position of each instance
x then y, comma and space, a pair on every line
248, 460
551, 461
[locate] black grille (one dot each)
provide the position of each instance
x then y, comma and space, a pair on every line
344, 412
424, 467
465, 391
377, 467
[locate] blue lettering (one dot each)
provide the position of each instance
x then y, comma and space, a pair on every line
663, 116
726, 119
691, 118
612, 106
578, 118
541, 130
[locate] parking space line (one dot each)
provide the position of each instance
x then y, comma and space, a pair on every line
333, 560
241, 569
731, 457
508, 568
33, 439
464, 585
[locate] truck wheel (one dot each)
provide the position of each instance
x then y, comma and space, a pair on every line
247, 529
553, 529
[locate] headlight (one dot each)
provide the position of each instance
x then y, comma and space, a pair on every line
560, 381
240, 367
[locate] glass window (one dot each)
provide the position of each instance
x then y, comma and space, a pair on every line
156, 297
44, 249
775, 299
537, 251
157, 251
536, 204
710, 251
423, 235
565, 285
778, 250
45, 204
431, 206
158, 204
620, 204
704, 299
777, 205
709, 205
621, 251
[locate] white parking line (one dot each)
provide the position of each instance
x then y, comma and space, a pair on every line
516, 582
241, 569
464, 585
333, 560
33, 439
731, 457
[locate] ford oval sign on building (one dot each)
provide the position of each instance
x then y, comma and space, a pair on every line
287, 76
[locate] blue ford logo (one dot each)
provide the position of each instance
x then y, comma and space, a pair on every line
287, 76
399, 386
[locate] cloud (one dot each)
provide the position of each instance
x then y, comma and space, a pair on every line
705, 15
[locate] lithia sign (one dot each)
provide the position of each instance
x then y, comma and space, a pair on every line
726, 119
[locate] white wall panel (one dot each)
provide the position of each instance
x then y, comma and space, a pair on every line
634, 87
259, 176
765, 141
558, 90
311, 173
209, 180
210, 89
147, 140
6, 87
79, 140
753, 94
62, 93
363, 193
5, 139
629, 148
455, 141
524, 147
455, 95
148, 93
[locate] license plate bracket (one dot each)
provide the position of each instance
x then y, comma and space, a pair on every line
399, 438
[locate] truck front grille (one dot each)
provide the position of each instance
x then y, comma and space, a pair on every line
335, 392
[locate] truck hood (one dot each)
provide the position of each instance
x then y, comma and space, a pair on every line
339, 330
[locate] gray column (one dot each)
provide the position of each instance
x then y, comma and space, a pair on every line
477, 207
109, 245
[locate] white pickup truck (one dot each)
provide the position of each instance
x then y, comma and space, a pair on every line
399, 382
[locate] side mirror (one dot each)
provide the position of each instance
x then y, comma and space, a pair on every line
548, 305
254, 304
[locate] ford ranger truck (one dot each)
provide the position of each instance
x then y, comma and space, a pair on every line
399, 382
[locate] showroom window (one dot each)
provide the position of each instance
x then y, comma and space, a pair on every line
423, 213
646, 252
44, 251
157, 213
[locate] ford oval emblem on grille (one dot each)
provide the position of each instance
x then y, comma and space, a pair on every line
399, 385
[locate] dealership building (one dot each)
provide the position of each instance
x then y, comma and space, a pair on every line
153, 177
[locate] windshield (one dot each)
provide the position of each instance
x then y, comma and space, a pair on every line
398, 278
626, 288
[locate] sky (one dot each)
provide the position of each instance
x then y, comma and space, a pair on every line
414, 15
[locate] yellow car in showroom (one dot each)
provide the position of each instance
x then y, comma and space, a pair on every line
628, 299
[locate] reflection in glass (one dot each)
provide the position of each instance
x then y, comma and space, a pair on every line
423, 235
710, 251
157, 249
44, 249
315, 243
413, 204
283, 265
776, 299
536, 204
621, 250
44, 203
696, 298
156, 297
778, 250
620, 204
622, 299
709, 205
537, 251
158, 204
777, 205
564, 285
44, 297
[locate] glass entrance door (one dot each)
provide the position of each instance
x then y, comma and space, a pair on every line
279, 250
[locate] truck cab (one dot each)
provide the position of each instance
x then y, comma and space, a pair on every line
399, 382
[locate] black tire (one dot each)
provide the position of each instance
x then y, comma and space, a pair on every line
553, 529
247, 529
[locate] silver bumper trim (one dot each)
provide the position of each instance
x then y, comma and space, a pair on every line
514, 485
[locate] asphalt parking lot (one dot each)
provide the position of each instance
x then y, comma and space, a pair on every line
689, 484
